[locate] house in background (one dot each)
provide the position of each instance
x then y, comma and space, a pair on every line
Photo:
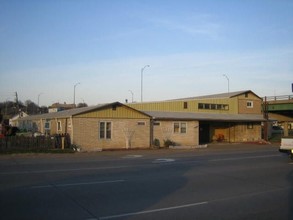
14, 121
57, 107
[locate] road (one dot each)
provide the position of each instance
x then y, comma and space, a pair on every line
220, 182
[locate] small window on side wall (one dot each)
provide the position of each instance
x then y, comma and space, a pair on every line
47, 125
180, 127
249, 104
185, 105
249, 125
105, 130
59, 126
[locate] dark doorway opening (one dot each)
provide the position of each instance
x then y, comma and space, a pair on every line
204, 133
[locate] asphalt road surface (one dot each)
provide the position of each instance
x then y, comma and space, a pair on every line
221, 182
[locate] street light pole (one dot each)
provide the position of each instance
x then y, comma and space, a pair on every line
39, 99
228, 82
141, 82
131, 95
74, 92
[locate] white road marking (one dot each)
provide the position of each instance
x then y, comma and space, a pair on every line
195, 204
61, 170
164, 160
132, 156
76, 184
244, 158
153, 210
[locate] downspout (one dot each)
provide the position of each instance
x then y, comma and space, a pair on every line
56, 123
66, 125
229, 132
151, 132
42, 126
71, 136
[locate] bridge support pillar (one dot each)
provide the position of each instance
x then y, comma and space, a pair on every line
286, 131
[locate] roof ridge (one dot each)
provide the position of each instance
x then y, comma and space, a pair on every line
218, 95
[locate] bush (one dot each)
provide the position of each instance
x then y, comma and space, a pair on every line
156, 143
168, 143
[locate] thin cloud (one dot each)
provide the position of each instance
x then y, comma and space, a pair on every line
201, 25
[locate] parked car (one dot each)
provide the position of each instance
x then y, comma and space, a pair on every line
277, 130
287, 146
38, 134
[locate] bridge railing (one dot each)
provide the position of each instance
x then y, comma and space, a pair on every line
277, 98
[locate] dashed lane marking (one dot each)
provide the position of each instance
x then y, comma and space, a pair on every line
164, 160
153, 210
132, 156
76, 184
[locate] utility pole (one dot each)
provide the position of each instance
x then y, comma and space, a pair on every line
141, 81
74, 93
17, 103
228, 80
266, 117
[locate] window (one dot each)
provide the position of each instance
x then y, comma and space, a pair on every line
157, 123
105, 130
141, 123
180, 127
59, 126
176, 127
249, 125
185, 105
213, 106
47, 125
249, 104
206, 106
183, 128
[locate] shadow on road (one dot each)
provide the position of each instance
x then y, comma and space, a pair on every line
290, 205
62, 195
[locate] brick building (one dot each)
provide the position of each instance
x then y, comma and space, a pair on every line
230, 117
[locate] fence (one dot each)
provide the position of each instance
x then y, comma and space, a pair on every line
277, 98
33, 143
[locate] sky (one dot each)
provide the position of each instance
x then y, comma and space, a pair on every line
99, 47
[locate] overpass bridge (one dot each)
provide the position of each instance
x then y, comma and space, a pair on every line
280, 108
279, 104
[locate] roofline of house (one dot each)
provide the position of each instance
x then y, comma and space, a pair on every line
78, 111
156, 115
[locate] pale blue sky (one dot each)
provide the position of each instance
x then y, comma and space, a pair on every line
48, 46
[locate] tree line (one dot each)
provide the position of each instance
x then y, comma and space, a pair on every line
9, 109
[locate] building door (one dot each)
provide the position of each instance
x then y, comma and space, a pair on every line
204, 133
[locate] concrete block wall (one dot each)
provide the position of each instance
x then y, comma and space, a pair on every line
86, 134
166, 131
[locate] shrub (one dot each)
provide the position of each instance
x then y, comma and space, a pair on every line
168, 143
156, 143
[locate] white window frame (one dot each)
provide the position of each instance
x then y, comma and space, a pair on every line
249, 104
47, 125
180, 127
105, 134
59, 126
